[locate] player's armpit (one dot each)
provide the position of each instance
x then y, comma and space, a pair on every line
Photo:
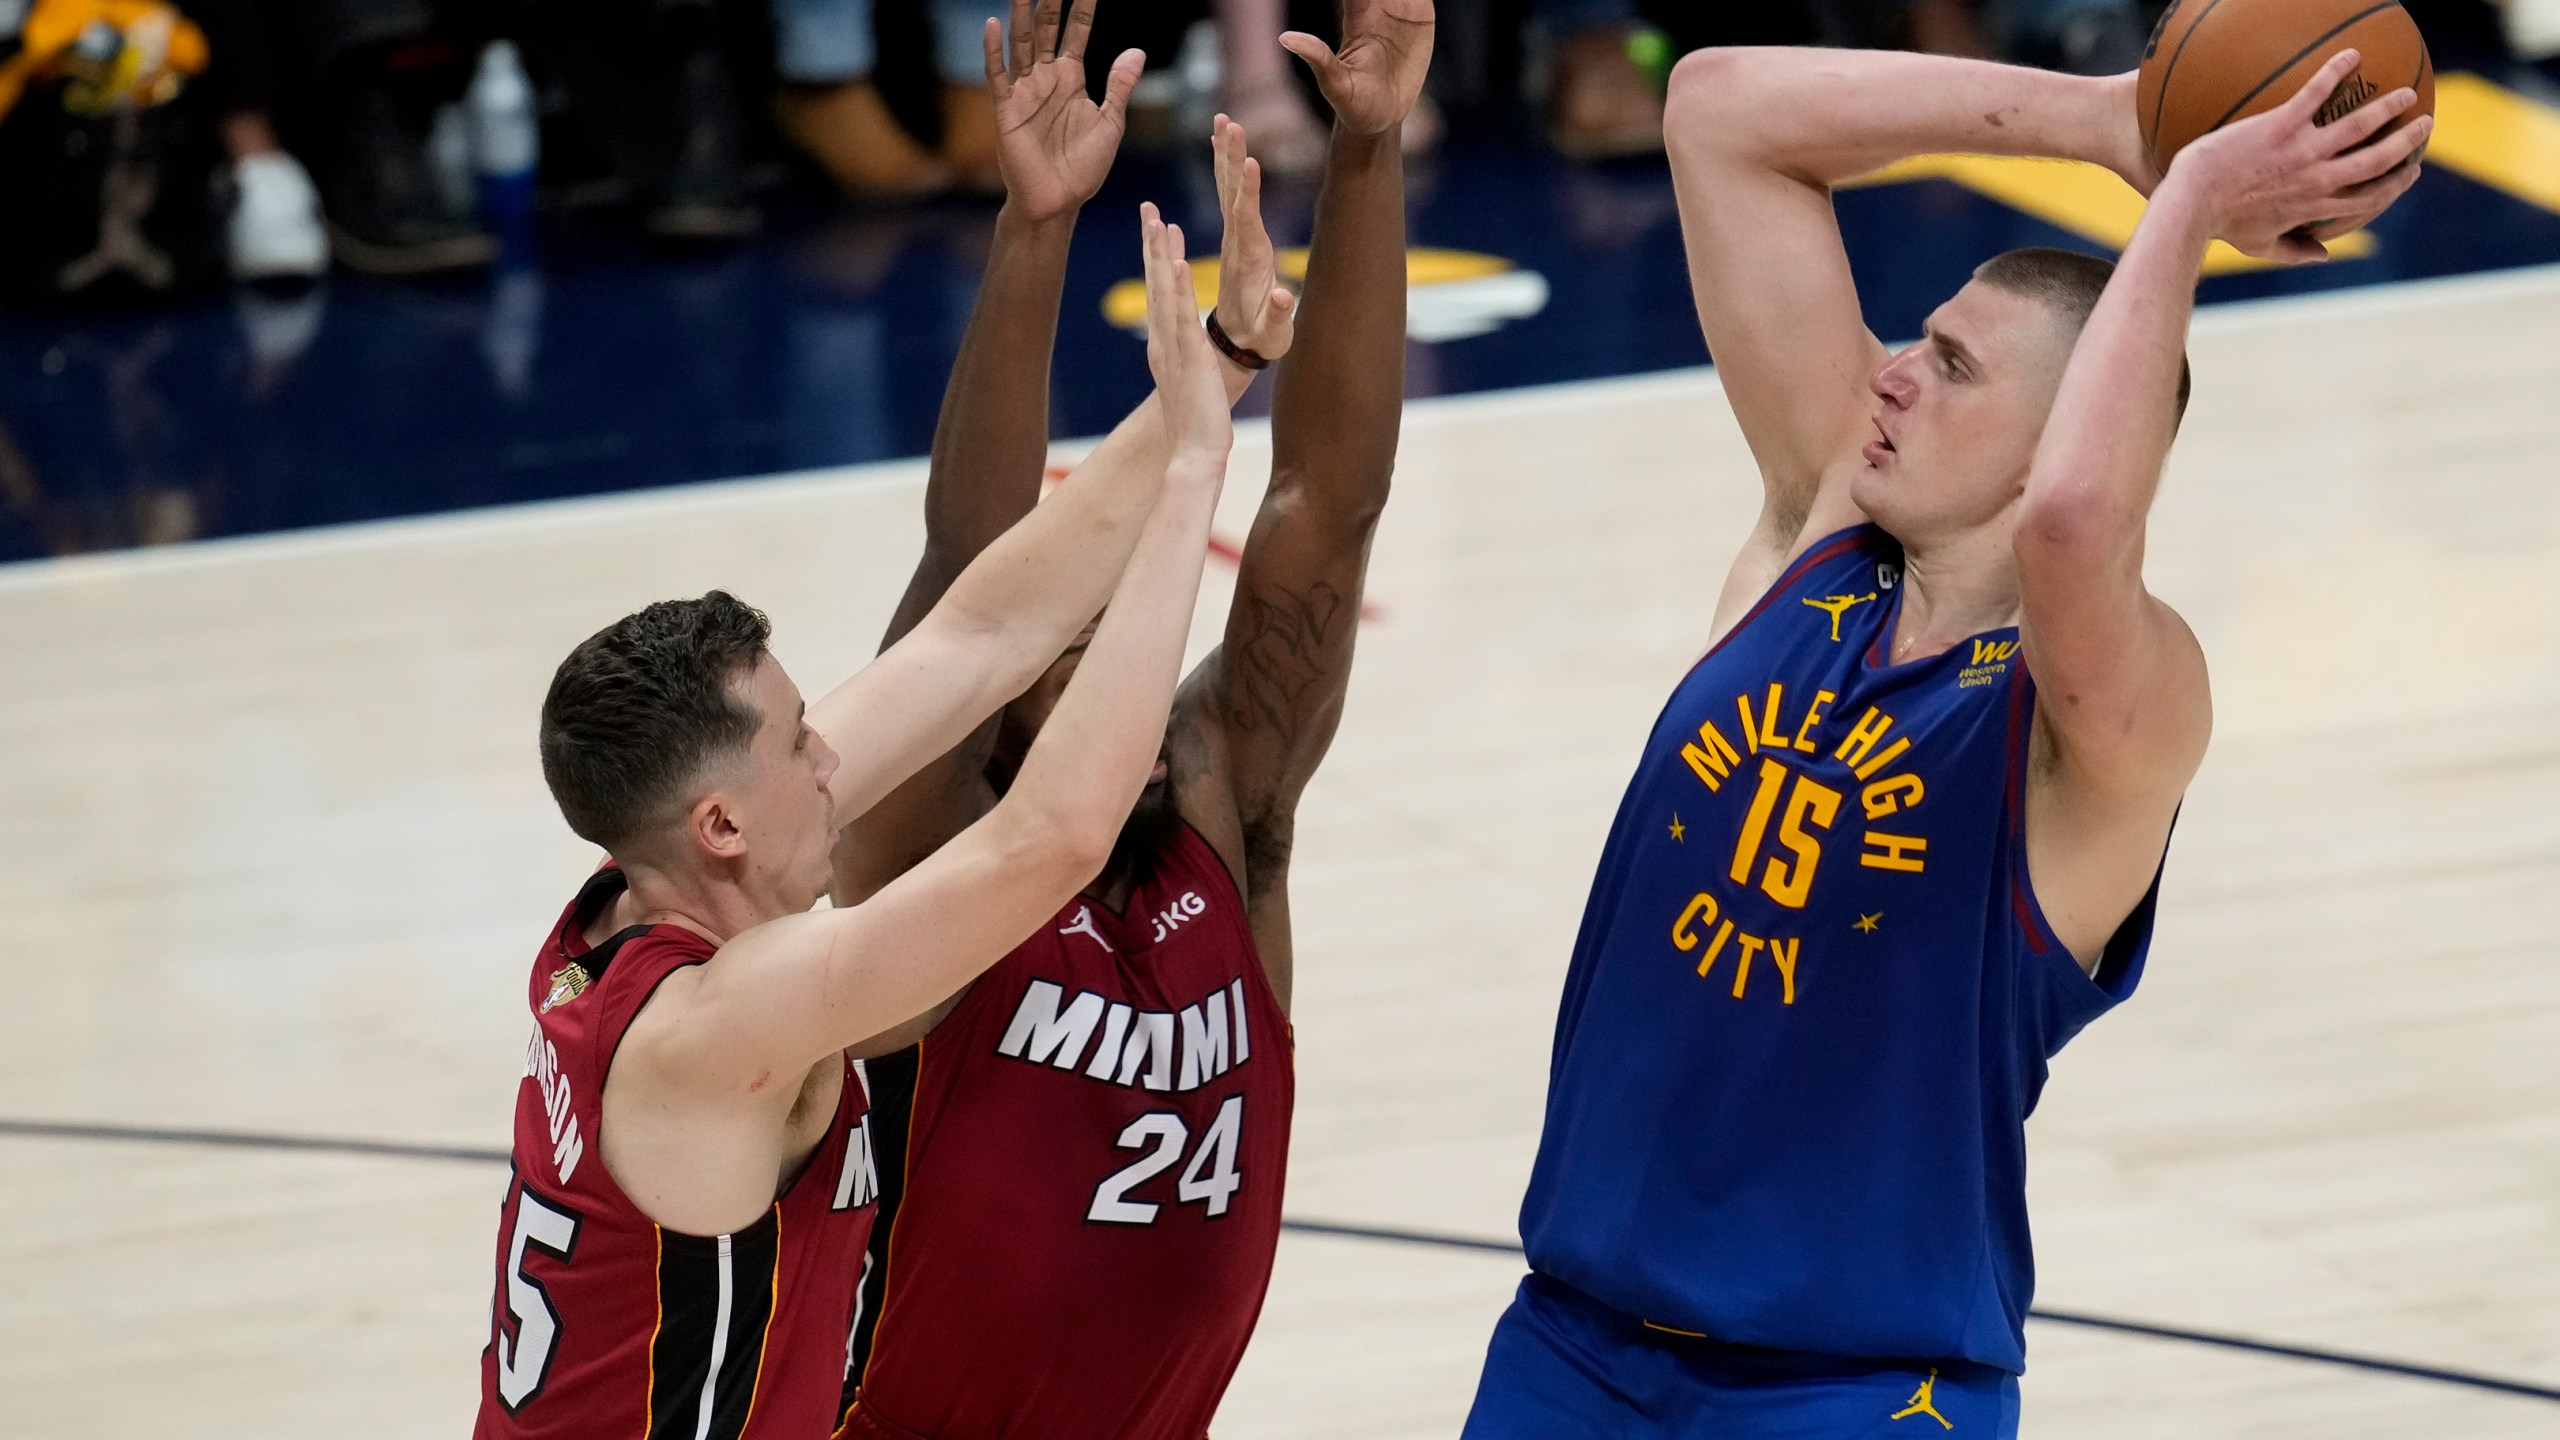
900, 1036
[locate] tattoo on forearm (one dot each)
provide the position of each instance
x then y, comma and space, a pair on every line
1283, 659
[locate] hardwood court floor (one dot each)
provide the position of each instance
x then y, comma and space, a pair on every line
273, 849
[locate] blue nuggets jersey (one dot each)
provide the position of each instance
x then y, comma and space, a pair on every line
1812, 999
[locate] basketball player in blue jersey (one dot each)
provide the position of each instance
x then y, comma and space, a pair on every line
1898, 835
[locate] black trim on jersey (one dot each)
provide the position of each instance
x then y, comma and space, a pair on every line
893, 1103
594, 897
599, 890
689, 1269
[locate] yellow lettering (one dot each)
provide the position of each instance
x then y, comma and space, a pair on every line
1715, 948
1899, 792
1702, 908
1810, 801
1987, 651
1742, 968
1713, 757
1784, 952
1756, 823
1890, 753
1900, 852
1812, 717
1769, 735
1862, 737
1750, 723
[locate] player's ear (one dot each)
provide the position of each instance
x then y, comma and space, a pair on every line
712, 828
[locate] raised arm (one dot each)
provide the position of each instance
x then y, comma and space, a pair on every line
965, 505
786, 994
991, 441
983, 615
1275, 689
2123, 710
1757, 138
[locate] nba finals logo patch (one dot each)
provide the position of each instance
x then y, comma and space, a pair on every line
567, 984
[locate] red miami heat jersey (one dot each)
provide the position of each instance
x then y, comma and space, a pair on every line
1092, 1183
606, 1324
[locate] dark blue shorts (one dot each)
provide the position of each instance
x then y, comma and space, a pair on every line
1563, 1366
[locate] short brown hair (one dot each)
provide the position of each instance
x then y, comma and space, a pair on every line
2068, 281
642, 706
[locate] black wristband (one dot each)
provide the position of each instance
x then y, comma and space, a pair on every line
1233, 351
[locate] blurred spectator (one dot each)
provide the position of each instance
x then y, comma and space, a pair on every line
274, 233
1600, 101
1259, 90
649, 81
2084, 37
123, 130
1262, 87
825, 53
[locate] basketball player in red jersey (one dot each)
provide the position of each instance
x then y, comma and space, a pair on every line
693, 1176
1096, 1130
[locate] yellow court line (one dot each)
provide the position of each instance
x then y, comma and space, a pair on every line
2488, 133
2090, 201
2484, 132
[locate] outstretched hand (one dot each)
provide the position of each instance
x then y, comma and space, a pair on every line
2270, 183
1254, 308
1054, 145
1374, 80
1193, 393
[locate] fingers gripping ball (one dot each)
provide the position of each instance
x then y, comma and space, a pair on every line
2211, 62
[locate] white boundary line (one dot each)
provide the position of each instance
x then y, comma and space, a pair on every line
730, 495
529, 517
2387, 299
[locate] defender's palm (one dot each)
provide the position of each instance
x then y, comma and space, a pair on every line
1254, 308
1188, 384
1374, 80
1054, 145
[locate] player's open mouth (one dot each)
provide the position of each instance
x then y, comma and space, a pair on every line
1879, 447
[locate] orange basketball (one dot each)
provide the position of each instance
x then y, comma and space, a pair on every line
2211, 62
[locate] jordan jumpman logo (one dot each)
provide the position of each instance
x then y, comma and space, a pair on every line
1836, 606
1921, 1403
1084, 926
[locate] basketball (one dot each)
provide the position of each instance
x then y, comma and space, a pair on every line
2211, 62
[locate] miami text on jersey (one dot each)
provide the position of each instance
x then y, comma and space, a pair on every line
1138, 1047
